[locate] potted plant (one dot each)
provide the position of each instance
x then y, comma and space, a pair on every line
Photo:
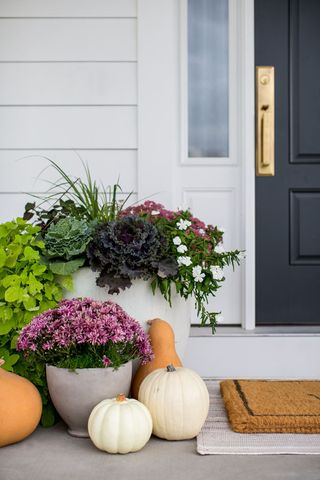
127, 252
87, 347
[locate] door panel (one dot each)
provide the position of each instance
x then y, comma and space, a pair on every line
288, 204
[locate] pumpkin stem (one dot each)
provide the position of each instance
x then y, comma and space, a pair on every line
170, 368
121, 397
2, 362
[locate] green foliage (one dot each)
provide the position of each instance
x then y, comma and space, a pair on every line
27, 288
67, 238
65, 243
203, 254
44, 216
80, 198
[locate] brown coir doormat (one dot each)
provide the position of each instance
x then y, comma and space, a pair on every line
271, 406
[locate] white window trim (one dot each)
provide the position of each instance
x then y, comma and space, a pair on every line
247, 133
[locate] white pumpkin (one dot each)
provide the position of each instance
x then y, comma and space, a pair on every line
120, 425
178, 401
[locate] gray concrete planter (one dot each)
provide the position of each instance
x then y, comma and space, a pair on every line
75, 393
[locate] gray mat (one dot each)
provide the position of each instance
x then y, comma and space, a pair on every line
216, 436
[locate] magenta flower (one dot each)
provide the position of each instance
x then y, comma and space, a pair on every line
85, 333
153, 211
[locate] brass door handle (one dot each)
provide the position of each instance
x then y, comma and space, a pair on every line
266, 152
265, 121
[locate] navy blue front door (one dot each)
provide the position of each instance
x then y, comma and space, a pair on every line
287, 36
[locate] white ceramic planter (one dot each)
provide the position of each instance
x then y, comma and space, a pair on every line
139, 302
76, 393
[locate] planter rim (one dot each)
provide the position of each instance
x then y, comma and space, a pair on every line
90, 368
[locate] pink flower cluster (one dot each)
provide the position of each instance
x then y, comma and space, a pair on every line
156, 210
150, 208
84, 321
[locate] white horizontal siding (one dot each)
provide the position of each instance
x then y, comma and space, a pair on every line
68, 127
67, 39
68, 83
68, 88
106, 166
68, 8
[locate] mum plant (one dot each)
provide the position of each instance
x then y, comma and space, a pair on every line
84, 333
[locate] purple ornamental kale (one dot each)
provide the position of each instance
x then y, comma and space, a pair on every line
128, 248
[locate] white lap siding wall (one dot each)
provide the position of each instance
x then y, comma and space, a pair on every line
68, 90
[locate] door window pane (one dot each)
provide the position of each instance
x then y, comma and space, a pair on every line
208, 78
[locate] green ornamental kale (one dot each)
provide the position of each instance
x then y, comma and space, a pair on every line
128, 248
66, 242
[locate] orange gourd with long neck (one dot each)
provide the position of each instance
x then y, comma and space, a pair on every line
20, 407
163, 345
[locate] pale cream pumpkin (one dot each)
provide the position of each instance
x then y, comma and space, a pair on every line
120, 425
178, 401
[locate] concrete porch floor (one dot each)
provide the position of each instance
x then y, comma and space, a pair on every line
52, 454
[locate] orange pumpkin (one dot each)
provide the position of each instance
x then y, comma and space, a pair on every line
163, 345
20, 407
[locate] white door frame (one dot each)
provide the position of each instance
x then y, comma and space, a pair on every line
159, 58
248, 145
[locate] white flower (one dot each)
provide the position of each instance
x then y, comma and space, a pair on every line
221, 229
217, 273
219, 318
219, 249
182, 248
201, 231
242, 255
183, 224
177, 240
155, 212
197, 274
183, 260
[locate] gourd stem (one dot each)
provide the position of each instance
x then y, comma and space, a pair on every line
2, 362
121, 397
170, 368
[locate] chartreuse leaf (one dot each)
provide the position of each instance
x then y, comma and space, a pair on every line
30, 304
66, 282
11, 261
23, 282
35, 285
31, 254
38, 269
6, 313
13, 341
7, 326
11, 280
13, 294
3, 257
52, 292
